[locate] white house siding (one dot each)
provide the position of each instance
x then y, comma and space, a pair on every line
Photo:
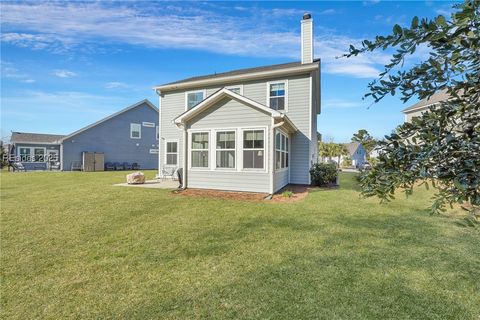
226, 114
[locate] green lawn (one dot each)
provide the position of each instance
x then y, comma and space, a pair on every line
74, 246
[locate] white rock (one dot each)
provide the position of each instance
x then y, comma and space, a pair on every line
136, 178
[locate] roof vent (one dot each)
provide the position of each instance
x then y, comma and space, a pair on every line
307, 16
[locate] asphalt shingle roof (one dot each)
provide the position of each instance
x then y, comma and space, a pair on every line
239, 71
351, 147
437, 97
26, 137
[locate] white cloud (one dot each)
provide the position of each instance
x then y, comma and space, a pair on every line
64, 73
8, 70
340, 103
115, 85
75, 26
28, 81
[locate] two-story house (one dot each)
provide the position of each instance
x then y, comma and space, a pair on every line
249, 130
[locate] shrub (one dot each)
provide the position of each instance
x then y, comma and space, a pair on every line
347, 162
287, 194
323, 174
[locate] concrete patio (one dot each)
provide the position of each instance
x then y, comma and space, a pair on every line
153, 184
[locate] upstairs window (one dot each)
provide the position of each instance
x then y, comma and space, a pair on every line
281, 151
193, 98
253, 149
135, 131
237, 89
200, 150
225, 155
277, 92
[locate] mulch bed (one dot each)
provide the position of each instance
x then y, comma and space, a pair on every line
299, 193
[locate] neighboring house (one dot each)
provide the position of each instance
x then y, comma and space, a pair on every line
130, 135
245, 130
357, 153
418, 108
36, 150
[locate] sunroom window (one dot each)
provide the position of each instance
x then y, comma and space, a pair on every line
200, 150
281, 151
253, 149
194, 98
277, 92
225, 149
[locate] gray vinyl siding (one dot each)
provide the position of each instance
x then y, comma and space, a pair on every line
232, 181
229, 113
299, 113
112, 138
280, 179
171, 106
307, 29
36, 165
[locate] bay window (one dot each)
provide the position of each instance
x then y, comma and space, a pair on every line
225, 149
199, 150
253, 149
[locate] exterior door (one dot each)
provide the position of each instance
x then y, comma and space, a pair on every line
52, 157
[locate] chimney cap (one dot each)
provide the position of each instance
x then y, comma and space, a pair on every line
307, 16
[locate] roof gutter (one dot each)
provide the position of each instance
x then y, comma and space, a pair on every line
239, 77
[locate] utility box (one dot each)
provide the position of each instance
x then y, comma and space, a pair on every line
93, 161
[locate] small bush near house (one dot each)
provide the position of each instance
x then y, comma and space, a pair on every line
323, 174
347, 162
287, 194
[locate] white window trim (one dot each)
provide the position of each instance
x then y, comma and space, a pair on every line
240, 86
140, 131
214, 153
204, 91
207, 168
32, 153
285, 82
148, 124
177, 153
265, 149
281, 132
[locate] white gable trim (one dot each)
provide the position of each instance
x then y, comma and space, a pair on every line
110, 117
217, 96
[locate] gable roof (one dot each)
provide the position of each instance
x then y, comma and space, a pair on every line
38, 138
241, 74
133, 106
352, 147
435, 98
222, 93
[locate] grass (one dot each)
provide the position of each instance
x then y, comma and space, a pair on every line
74, 246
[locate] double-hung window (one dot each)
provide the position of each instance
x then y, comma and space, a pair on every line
135, 131
277, 93
171, 154
39, 154
24, 154
225, 149
281, 151
253, 149
199, 150
193, 98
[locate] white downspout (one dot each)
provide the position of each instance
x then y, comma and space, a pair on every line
159, 131
185, 155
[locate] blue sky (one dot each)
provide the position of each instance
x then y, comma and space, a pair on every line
65, 65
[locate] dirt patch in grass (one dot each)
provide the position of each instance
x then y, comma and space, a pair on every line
290, 193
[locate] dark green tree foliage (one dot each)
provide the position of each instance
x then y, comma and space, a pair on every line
442, 146
323, 174
363, 137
